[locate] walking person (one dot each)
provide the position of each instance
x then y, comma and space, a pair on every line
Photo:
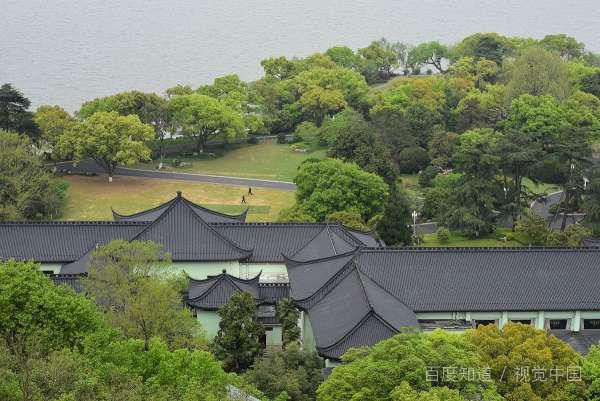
250, 191
243, 199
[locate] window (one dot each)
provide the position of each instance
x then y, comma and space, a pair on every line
484, 322
523, 321
591, 324
557, 324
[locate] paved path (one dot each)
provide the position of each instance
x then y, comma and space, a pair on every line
90, 167
542, 208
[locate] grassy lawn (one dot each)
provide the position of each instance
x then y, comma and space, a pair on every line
540, 187
457, 240
266, 160
91, 198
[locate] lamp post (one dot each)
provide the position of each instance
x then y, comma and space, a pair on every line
414, 215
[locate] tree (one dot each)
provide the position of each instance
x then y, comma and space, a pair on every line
519, 152
482, 109
236, 93
591, 84
288, 316
237, 343
279, 68
27, 190
394, 228
108, 138
323, 91
295, 214
591, 370
518, 345
566, 46
37, 317
533, 230
489, 46
412, 160
347, 218
53, 122
128, 281
344, 57
440, 149
591, 205
14, 113
149, 107
380, 58
318, 103
539, 72
293, 371
429, 53
179, 90
472, 204
332, 185
202, 117
398, 365
356, 141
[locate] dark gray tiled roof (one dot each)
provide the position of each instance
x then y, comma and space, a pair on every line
582, 341
210, 216
189, 238
80, 266
189, 231
273, 292
352, 309
216, 291
61, 242
487, 279
326, 243
392, 284
269, 241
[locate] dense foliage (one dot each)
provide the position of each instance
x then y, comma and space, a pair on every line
237, 343
332, 185
27, 190
130, 282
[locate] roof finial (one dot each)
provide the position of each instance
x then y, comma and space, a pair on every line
224, 271
179, 194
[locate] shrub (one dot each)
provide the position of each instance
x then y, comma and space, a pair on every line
443, 235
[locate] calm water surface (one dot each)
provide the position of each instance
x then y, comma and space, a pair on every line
66, 51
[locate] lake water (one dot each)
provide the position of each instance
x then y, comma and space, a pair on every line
67, 51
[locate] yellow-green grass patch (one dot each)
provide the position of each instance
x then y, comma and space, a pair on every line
267, 160
91, 198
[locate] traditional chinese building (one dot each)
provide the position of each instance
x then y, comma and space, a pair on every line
351, 289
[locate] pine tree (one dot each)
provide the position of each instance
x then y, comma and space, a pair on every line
394, 227
237, 343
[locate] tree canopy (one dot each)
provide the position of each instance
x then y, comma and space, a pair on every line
332, 185
27, 189
108, 138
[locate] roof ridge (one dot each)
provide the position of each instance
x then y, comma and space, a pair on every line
323, 259
340, 272
194, 204
170, 201
369, 314
392, 249
73, 222
202, 221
